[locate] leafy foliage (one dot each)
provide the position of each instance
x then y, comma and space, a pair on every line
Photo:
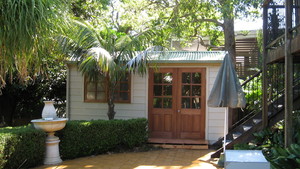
103, 52
21, 147
19, 102
25, 36
271, 141
24, 147
88, 9
253, 94
83, 138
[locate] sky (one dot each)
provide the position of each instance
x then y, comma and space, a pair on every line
248, 25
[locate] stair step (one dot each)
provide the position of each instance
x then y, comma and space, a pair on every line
227, 141
255, 121
278, 105
176, 146
246, 128
236, 135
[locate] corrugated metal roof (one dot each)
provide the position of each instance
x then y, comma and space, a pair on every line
187, 56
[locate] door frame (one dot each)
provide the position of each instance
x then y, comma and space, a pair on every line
176, 71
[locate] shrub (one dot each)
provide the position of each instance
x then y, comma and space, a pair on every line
21, 147
83, 138
24, 147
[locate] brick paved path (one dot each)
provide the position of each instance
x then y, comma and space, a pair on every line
156, 159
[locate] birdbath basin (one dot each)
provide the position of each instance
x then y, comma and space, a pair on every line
50, 124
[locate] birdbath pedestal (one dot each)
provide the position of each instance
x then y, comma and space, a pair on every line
50, 124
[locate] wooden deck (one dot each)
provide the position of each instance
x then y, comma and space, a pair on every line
277, 54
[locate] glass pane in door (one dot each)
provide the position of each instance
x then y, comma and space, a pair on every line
191, 90
162, 90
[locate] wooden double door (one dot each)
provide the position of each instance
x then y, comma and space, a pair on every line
177, 103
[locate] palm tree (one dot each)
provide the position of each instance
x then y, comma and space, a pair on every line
103, 51
25, 31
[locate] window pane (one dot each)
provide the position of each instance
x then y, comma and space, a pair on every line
196, 77
96, 91
100, 96
185, 103
117, 95
167, 90
167, 102
168, 78
157, 78
100, 86
186, 77
125, 79
196, 103
90, 95
186, 90
91, 86
124, 87
157, 90
124, 96
157, 102
196, 90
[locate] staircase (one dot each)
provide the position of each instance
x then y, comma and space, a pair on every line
242, 131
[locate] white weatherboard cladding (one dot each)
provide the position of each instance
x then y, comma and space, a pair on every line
214, 116
80, 110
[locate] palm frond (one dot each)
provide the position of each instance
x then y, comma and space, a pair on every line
104, 60
87, 34
138, 42
89, 68
140, 62
71, 48
25, 36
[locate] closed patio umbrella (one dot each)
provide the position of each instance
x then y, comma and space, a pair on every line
227, 91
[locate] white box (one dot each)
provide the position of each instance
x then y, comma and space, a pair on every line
245, 159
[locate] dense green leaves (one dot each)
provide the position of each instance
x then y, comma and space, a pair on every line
26, 27
84, 138
24, 147
21, 147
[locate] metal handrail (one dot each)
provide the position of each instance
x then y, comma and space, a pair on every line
274, 100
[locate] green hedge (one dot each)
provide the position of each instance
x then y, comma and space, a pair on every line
21, 147
83, 138
24, 147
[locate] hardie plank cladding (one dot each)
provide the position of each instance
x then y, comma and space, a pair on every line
80, 110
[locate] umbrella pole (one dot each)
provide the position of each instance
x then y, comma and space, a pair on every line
225, 129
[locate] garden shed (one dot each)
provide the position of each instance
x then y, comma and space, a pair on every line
172, 96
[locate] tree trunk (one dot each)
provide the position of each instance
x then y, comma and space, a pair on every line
111, 100
229, 37
111, 110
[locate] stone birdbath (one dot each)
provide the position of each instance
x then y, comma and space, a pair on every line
50, 123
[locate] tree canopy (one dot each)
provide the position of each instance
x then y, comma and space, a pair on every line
184, 20
25, 35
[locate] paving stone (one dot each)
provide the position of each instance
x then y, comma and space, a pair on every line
156, 159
